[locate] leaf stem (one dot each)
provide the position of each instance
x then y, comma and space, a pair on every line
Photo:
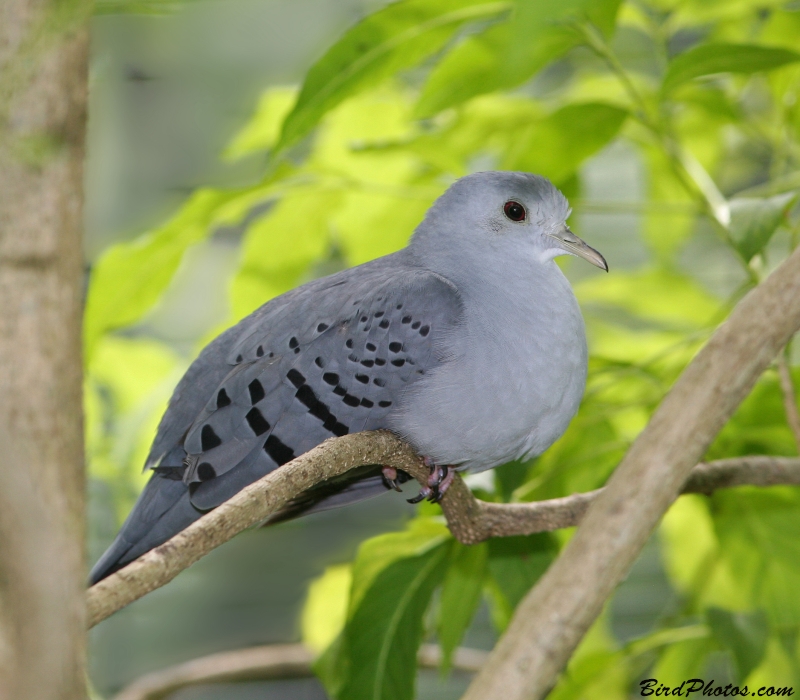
789, 395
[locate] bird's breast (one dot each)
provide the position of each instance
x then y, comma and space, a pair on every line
512, 380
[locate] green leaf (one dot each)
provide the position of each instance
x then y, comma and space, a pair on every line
709, 59
744, 634
509, 477
682, 660
129, 278
394, 577
658, 297
389, 40
461, 594
754, 220
759, 424
515, 564
325, 609
572, 134
123, 409
279, 248
510, 53
757, 530
264, 127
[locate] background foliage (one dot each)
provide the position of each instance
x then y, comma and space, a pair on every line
700, 98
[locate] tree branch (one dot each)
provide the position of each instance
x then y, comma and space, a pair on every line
553, 617
472, 521
264, 663
469, 519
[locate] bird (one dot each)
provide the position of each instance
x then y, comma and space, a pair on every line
468, 343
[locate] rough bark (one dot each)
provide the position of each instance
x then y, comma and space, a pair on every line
551, 620
43, 82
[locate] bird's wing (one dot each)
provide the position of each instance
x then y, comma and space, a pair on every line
335, 368
330, 358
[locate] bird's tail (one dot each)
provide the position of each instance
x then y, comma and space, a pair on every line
162, 510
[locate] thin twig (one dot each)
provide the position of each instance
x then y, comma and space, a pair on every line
265, 663
789, 397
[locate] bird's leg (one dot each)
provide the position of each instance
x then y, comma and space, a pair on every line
438, 482
390, 478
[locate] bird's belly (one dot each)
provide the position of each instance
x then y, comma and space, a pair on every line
480, 411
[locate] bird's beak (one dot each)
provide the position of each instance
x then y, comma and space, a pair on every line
572, 244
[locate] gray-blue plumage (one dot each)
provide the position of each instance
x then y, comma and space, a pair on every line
469, 343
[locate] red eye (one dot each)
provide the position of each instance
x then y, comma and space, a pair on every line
514, 210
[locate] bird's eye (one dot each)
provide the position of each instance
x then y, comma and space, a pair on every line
514, 210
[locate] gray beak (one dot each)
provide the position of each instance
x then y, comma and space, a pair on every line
576, 246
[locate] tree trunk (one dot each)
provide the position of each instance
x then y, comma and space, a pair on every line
43, 82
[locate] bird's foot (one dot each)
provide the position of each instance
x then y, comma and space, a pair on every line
438, 482
390, 478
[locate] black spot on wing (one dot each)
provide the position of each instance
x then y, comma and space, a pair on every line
296, 377
279, 451
205, 471
223, 399
255, 419
256, 391
317, 408
209, 439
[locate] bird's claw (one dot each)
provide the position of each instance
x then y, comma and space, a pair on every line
438, 482
424, 493
390, 479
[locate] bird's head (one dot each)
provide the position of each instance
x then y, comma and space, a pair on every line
513, 214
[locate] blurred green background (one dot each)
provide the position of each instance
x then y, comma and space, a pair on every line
672, 127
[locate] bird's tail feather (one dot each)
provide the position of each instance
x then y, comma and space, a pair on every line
163, 510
